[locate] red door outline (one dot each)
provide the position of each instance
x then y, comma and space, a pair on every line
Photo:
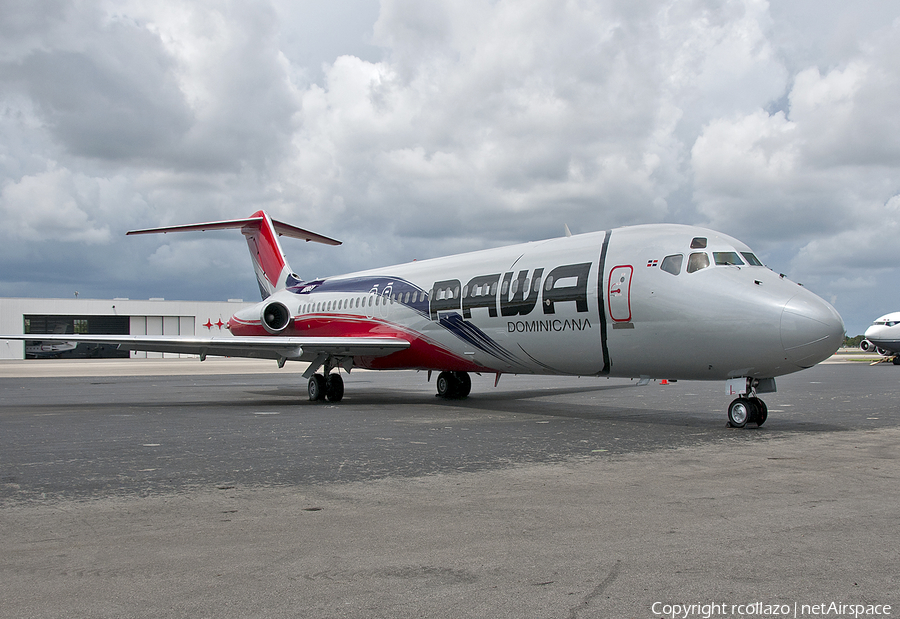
620, 292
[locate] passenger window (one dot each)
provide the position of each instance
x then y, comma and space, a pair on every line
751, 259
697, 261
672, 264
698, 242
727, 258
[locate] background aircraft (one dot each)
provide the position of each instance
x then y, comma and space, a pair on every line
884, 337
39, 348
648, 302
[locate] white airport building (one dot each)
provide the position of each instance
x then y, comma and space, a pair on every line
108, 317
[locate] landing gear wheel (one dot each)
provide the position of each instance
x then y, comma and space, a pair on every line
762, 411
463, 384
454, 385
740, 411
316, 388
896, 360
334, 388
446, 385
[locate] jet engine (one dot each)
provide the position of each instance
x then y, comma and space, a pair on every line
867, 346
275, 317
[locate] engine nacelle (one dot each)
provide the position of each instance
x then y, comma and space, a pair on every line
275, 317
867, 346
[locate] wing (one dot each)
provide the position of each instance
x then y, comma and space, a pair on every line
278, 348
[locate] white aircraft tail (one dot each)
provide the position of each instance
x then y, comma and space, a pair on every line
261, 232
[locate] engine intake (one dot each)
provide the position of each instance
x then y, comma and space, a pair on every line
275, 317
867, 346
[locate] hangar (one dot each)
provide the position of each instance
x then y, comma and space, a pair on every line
108, 317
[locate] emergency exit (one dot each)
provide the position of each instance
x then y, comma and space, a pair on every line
618, 293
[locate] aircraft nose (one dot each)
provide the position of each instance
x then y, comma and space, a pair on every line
811, 330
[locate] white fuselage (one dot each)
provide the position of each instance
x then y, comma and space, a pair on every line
884, 335
629, 302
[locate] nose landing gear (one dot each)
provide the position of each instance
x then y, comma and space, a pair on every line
745, 410
747, 407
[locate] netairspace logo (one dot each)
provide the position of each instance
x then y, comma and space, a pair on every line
762, 609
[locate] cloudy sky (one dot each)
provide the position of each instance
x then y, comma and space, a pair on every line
413, 129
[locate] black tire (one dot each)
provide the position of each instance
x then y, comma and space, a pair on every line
334, 388
740, 411
896, 360
762, 412
464, 384
446, 385
316, 388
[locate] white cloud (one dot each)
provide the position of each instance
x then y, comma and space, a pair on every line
55, 205
411, 130
859, 249
819, 175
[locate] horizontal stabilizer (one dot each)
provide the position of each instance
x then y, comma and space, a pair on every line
261, 233
281, 228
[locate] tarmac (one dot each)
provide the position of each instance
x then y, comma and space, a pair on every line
185, 489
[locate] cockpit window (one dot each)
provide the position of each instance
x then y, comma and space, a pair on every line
725, 258
697, 261
698, 242
751, 259
672, 264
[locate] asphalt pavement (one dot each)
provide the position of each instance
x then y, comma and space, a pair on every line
223, 492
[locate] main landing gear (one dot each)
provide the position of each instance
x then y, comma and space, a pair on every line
453, 385
321, 387
747, 407
327, 384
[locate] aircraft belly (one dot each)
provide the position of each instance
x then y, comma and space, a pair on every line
669, 350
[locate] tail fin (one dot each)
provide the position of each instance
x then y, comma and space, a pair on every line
262, 232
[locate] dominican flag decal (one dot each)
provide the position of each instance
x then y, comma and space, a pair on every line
652, 263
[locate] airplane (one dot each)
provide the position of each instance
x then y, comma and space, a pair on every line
883, 336
656, 301
39, 348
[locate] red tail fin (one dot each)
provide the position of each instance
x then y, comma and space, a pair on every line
261, 232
